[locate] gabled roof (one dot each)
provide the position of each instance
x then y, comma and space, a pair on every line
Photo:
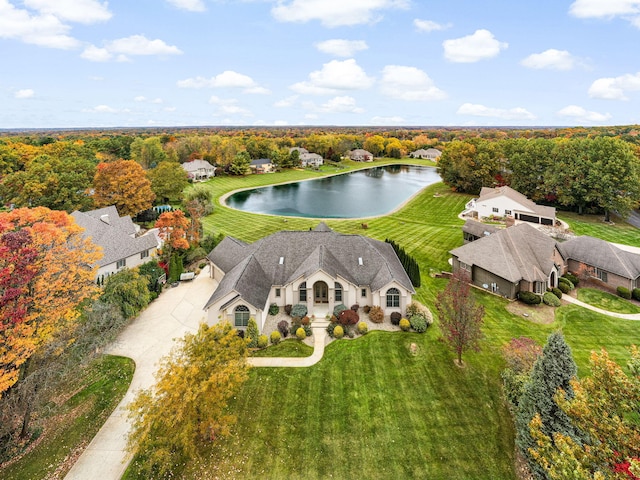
429, 151
113, 233
601, 254
299, 149
310, 156
247, 279
261, 161
516, 253
360, 151
479, 229
195, 165
289, 256
488, 193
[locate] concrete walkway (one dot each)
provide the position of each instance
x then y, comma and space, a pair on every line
626, 316
146, 340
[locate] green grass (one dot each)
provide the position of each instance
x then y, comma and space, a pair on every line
594, 226
286, 348
606, 301
75, 422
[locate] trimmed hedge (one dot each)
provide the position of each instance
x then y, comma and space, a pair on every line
624, 292
405, 325
529, 298
263, 341
276, 337
564, 287
567, 282
395, 318
419, 323
572, 278
274, 309
348, 317
550, 299
362, 328
338, 332
301, 334
635, 294
557, 292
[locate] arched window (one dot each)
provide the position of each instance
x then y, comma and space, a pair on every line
393, 297
303, 292
241, 314
337, 293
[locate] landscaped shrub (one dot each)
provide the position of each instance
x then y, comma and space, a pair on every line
287, 309
395, 318
355, 307
564, 287
301, 334
350, 333
550, 299
276, 337
362, 328
419, 323
240, 333
376, 315
413, 309
529, 298
338, 332
557, 292
252, 333
333, 319
624, 292
330, 328
305, 320
283, 328
636, 294
348, 317
405, 325
299, 310
263, 341
567, 282
366, 309
274, 309
572, 278
338, 308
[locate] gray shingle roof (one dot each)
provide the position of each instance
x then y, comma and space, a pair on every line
303, 253
195, 165
488, 193
261, 161
479, 229
113, 233
517, 253
601, 254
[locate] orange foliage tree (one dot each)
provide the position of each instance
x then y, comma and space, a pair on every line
173, 230
122, 183
47, 269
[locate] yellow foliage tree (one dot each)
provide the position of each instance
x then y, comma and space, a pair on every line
124, 184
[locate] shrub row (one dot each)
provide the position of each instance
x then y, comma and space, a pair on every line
624, 292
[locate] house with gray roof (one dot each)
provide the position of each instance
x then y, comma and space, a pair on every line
361, 155
199, 170
320, 268
118, 237
262, 165
518, 258
472, 230
311, 160
506, 202
428, 154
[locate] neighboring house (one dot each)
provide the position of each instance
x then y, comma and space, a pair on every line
360, 155
121, 247
300, 150
518, 258
473, 230
505, 201
199, 170
262, 165
311, 160
602, 260
428, 154
320, 268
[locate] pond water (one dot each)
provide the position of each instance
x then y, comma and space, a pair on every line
365, 193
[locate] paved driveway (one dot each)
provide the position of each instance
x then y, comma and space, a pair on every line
147, 339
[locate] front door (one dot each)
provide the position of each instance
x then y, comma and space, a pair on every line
320, 292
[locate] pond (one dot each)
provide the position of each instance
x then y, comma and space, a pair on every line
364, 193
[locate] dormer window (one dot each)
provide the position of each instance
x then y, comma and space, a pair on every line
360, 261
281, 262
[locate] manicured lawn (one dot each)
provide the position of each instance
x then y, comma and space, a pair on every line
286, 348
593, 225
74, 423
606, 301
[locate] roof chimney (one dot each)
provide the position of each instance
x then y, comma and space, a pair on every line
105, 219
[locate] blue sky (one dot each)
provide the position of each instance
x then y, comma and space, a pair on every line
91, 63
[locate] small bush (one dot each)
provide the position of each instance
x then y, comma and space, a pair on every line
338, 332
635, 294
529, 298
331, 327
338, 308
299, 310
405, 325
350, 333
348, 317
557, 292
301, 334
366, 309
566, 281
274, 309
276, 337
413, 309
550, 299
395, 318
355, 307
572, 278
333, 319
283, 328
263, 341
287, 309
564, 287
305, 320
376, 315
419, 323
624, 292
240, 333
252, 333
362, 328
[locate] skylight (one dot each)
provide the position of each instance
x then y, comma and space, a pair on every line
360, 261
281, 262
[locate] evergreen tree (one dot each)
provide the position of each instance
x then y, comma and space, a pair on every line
252, 333
554, 369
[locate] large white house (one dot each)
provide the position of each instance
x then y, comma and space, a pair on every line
319, 268
506, 202
429, 154
118, 237
199, 170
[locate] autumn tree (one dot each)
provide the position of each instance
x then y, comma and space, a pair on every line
173, 228
240, 163
198, 203
375, 145
124, 184
168, 180
186, 409
460, 318
147, 152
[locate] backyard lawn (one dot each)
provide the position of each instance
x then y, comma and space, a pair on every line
606, 301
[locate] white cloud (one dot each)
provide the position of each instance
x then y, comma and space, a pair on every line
228, 106
80, 11
169, 109
96, 54
409, 83
476, 110
101, 109
473, 48
613, 88
190, 5
334, 13
341, 48
580, 114
214, 100
286, 102
226, 79
334, 77
157, 100
257, 90
626, 9
378, 120
24, 93
342, 104
429, 25
44, 30
140, 98
551, 59
123, 47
